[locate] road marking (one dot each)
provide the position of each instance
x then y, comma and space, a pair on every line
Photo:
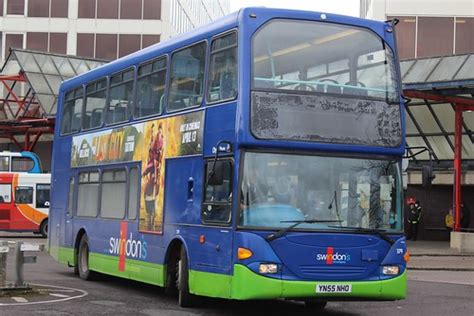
19, 299
58, 295
56, 288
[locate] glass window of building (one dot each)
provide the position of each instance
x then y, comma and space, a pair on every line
106, 46
38, 8
59, 8
128, 43
58, 43
85, 45
406, 30
16, 7
87, 9
131, 9
37, 41
151, 9
148, 40
107, 9
13, 41
464, 36
435, 36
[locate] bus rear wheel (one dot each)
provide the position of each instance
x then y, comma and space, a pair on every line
83, 260
185, 299
44, 228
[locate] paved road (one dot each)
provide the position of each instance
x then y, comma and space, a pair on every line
113, 296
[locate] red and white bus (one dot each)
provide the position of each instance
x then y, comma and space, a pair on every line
24, 202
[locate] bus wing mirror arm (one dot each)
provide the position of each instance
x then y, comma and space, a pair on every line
216, 176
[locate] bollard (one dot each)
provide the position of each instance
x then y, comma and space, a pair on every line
19, 265
3, 263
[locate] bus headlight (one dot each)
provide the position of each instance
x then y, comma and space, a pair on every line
390, 270
268, 268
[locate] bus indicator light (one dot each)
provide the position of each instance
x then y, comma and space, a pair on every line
202, 239
244, 253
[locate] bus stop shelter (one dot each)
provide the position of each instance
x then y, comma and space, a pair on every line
28, 102
440, 93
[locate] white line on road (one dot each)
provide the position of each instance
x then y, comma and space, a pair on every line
83, 293
19, 299
58, 295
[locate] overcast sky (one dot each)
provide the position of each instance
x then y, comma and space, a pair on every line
346, 7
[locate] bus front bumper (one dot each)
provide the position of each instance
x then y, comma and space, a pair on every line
247, 285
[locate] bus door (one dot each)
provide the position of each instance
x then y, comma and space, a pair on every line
68, 229
216, 214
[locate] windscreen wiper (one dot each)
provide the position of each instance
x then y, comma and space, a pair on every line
379, 232
282, 232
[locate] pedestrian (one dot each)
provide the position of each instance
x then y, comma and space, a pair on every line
414, 217
449, 220
465, 216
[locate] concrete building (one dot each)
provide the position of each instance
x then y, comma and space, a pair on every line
105, 29
436, 46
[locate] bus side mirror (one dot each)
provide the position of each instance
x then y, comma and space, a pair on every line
216, 175
427, 176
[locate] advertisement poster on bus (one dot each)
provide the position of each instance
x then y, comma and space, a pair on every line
151, 142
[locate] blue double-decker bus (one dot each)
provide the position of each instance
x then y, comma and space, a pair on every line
256, 157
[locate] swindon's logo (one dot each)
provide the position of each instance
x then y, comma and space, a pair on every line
127, 247
331, 257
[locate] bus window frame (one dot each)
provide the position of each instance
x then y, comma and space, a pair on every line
210, 53
167, 58
127, 202
170, 72
36, 195
209, 162
75, 98
84, 104
13, 158
72, 212
130, 108
101, 182
76, 192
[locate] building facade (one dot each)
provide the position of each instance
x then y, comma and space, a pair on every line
427, 28
105, 29
434, 29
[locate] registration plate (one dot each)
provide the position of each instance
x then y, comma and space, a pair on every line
333, 288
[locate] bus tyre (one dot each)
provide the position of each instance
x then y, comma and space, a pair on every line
83, 260
44, 228
315, 305
185, 299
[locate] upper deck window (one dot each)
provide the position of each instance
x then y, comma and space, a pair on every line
187, 77
324, 82
315, 57
120, 97
72, 112
223, 69
5, 163
151, 84
22, 164
95, 101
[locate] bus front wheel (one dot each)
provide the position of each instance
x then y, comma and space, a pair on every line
185, 299
83, 260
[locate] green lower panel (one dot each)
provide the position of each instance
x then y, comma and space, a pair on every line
210, 284
64, 255
146, 272
248, 285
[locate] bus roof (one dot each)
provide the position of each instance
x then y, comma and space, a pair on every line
201, 32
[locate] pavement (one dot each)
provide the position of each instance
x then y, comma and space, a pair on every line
438, 256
